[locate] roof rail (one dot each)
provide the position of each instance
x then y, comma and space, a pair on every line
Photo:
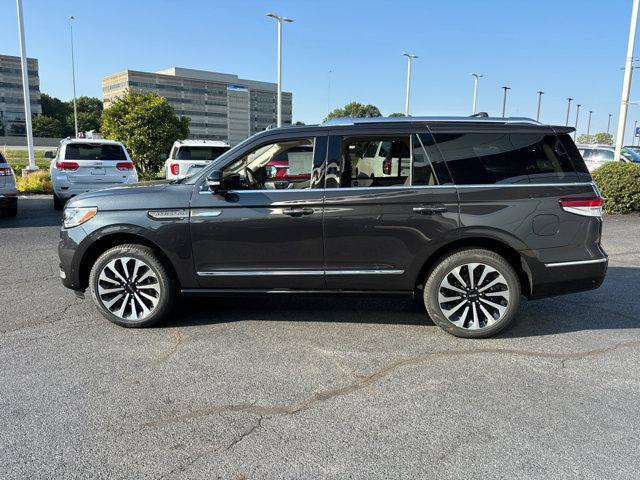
388, 120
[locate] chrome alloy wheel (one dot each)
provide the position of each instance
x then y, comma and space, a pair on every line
473, 296
128, 288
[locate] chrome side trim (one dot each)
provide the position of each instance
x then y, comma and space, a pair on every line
578, 262
264, 273
168, 214
205, 213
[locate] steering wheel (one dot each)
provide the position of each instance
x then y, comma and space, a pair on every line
255, 184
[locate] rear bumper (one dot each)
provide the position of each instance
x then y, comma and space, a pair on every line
8, 201
66, 190
560, 278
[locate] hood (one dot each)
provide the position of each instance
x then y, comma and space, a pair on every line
136, 196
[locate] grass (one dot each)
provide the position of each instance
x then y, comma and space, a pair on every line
19, 158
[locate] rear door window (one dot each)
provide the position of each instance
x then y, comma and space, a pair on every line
94, 151
505, 158
428, 165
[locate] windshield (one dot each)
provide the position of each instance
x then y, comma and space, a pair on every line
200, 153
94, 151
630, 155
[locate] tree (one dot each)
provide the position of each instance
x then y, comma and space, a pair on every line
584, 138
355, 110
603, 138
147, 125
397, 114
55, 108
89, 114
45, 126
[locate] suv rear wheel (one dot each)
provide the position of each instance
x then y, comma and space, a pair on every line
131, 286
58, 203
472, 293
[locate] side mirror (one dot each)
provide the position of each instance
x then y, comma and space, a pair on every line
163, 156
49, 154
214, 181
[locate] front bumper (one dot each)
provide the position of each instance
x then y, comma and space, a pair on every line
69, 260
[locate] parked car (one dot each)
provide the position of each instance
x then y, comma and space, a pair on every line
597, 155
487, 210
190, 156
8, 191
84, 165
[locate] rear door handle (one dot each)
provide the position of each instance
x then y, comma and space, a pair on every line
298, 212
429, 209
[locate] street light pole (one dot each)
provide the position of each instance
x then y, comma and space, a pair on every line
609, 124
575, 133
569, 100
73, 76
540, 93
279, 86
475, 76
25, 87
589, 123
626, 86
410, 57
504, 100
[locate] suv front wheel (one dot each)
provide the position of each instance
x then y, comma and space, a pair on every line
472, 293
131, 286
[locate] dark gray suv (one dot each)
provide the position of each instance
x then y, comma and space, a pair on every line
467, 213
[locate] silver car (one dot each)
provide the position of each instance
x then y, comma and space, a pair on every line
597, 155
8, 191
83, 165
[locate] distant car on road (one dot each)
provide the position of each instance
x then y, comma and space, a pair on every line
597, 155
8, 191
84, 165
190, 156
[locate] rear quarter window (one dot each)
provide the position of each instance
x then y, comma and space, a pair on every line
576, 159
506, 158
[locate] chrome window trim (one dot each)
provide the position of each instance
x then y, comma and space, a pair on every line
261, 273
577, 262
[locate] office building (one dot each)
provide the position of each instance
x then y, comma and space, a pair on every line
12, 119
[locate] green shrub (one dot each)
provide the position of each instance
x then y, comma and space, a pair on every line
36, 182
619, 183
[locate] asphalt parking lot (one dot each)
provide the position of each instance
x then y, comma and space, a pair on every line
319, 387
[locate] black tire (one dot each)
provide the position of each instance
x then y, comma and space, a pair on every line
165, 284
58, 203
473, 298
11, 210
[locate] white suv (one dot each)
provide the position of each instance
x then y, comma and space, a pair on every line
8, 192
190, 156
84, 165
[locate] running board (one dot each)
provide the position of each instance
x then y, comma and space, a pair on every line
217, 291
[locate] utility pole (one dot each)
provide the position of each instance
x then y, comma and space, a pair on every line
25, 88
609, 124
410, 58
279, 87
540, 93
575, 133
589, 123
73, 76
569, 100
626, 86
504, 100
475, 76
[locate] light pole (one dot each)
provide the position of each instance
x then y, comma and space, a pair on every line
569, 100
626, 86
577, 116
504, 100
73, 76
609, 124
410, 58
279, 88
540, 93
475, 76
589, 123
25, 88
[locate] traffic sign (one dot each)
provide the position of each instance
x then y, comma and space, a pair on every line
637, 131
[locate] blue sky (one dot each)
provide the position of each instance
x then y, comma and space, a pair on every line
566, 48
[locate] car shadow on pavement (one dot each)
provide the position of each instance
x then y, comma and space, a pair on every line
33, 212
613, 306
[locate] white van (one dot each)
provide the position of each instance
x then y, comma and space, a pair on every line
190, 156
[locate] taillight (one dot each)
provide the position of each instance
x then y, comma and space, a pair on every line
588, 207
5, 172
386, 166
175, 168
124, 166
64, 165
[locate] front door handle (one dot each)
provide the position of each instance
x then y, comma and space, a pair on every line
429, 209
298, 212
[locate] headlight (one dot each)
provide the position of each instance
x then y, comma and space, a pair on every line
74, 216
